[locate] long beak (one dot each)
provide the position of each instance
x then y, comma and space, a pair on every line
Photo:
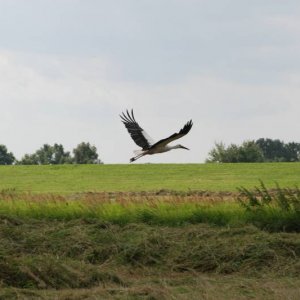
185, 148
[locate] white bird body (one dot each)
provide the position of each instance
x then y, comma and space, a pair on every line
142, 139
162, 149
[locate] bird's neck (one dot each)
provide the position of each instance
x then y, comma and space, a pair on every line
174, 147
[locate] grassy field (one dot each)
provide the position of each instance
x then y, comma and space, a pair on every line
149, 232
149, 177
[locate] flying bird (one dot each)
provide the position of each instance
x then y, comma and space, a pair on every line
142, 139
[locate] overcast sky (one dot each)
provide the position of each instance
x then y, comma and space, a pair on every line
68, 68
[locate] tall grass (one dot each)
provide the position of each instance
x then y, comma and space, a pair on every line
275, 210
272, 210
156, 213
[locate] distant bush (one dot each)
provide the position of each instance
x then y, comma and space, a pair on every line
84, 153
249, 151
261, 150
47, 155
276, 150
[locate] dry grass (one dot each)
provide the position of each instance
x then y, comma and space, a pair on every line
89, 259
170, 286
168, 196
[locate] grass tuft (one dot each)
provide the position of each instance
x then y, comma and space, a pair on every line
275, 210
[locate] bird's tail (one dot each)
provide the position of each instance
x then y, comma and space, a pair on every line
138, 154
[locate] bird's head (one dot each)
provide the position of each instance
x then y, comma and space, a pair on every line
181, 147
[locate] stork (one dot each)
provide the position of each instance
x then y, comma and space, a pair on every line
142, 139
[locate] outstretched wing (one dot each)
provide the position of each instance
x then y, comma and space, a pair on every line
186, 128
138, 134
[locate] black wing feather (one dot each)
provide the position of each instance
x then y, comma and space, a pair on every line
134, 129
185, 130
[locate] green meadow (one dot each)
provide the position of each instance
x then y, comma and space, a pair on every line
149, 177
167, 231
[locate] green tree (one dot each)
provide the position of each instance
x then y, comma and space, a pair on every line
217, 154
232, 154
261, 150
84, 153
59, 156
273, 150
292, 151
29, 159
47, 155
221, 153
276, 150
6, 158
247, 152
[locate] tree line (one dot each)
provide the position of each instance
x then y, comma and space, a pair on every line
55, 154
261, 150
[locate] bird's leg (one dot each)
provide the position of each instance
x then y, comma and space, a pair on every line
136, 157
